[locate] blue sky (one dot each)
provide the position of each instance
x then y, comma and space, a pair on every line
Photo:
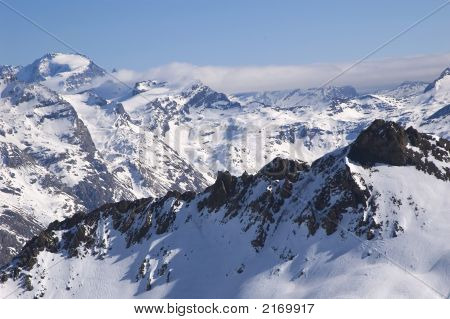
229, 37
144, 34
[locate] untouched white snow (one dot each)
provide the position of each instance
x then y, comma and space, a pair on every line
159, 136
207, 258
138, 158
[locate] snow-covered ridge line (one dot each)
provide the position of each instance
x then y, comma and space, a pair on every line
70, 133
273, 218
66, 72
63, 152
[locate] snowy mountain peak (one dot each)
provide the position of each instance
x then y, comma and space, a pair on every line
328, 93
199, 95
18, 92
445, 73
441, 77
60, 71
52, 64
411, 83
8, 72
340, 92
299, 98
193, 85
143, 86
406, 89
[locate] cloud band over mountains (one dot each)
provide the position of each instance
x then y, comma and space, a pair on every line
368, 75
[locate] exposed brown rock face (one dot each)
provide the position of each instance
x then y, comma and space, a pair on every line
282, 168
220, 191
382, 142
324, 209
389, 143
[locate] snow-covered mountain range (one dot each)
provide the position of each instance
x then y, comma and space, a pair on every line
335, 228
74, 138
66, 152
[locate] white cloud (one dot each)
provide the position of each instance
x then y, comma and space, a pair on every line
367, 75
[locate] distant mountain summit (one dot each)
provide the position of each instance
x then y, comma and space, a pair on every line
406, 89
59, 71
8, 72
199, 95
144, 86
444, 75
300, 97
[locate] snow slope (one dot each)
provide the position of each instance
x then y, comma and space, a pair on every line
373, 210
244, 131
72, 151
72, 139
50, 168
141, 161
61, 72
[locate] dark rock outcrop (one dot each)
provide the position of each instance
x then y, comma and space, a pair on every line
15, 223
382, 142
220, 191
338, 194
389, 143
281, 168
